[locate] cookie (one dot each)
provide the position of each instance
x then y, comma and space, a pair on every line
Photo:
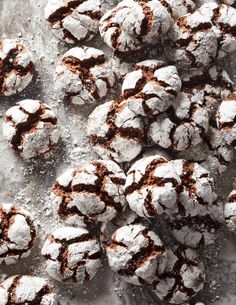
115, 132
213, 153
91, 193
137, 254
31, 128
26, 289
223, 17
208, 87
191, 42
133, 24
73, 22
83, 76
16, 67
151, 88
151, 187
230, 212
226, 119
183, 277
18, 232
72, 255
183, 125
199, 230
180, 7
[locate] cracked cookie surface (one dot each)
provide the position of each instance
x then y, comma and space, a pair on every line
31, 128
91, 193
16, 67
18, 232
73, 255
74, 21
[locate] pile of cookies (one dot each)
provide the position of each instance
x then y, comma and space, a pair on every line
184, 107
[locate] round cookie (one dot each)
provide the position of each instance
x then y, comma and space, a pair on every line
151, 187
183, 125
151, 88
230, 212
72, 255
198, 231
83, 76
137, 254
18, 232
91, 193
191, 42
208, 87
73, 21
31, 128
16, 67
26, 289
115, 132
183, 277
223, 17
213, 153
132, 24
226, 119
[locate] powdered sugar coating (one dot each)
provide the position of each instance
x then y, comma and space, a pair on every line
191, 43
16, 67
199, 230
72, 255
26, 289
31, 128
208, 87
182, 126
73, 21
83, 76
230, 212
132, 24
179, 7
226, 119
137, 254
213, 153
17, 234
151, 187
183, 277
151, 88
115, 132
223, 17
90, 193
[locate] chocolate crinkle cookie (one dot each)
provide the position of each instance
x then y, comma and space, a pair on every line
31, 128
226, 119
223, 18
83, 76
72, 255
208, 87
213, 153
199, 230
16, 67
183, 278
183, 125
26, 289
151, 187
178, 188
134, 23
91, 193
18, 232
115, 132
191, 42
230, 212
74, 21
151, 88
137, 254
